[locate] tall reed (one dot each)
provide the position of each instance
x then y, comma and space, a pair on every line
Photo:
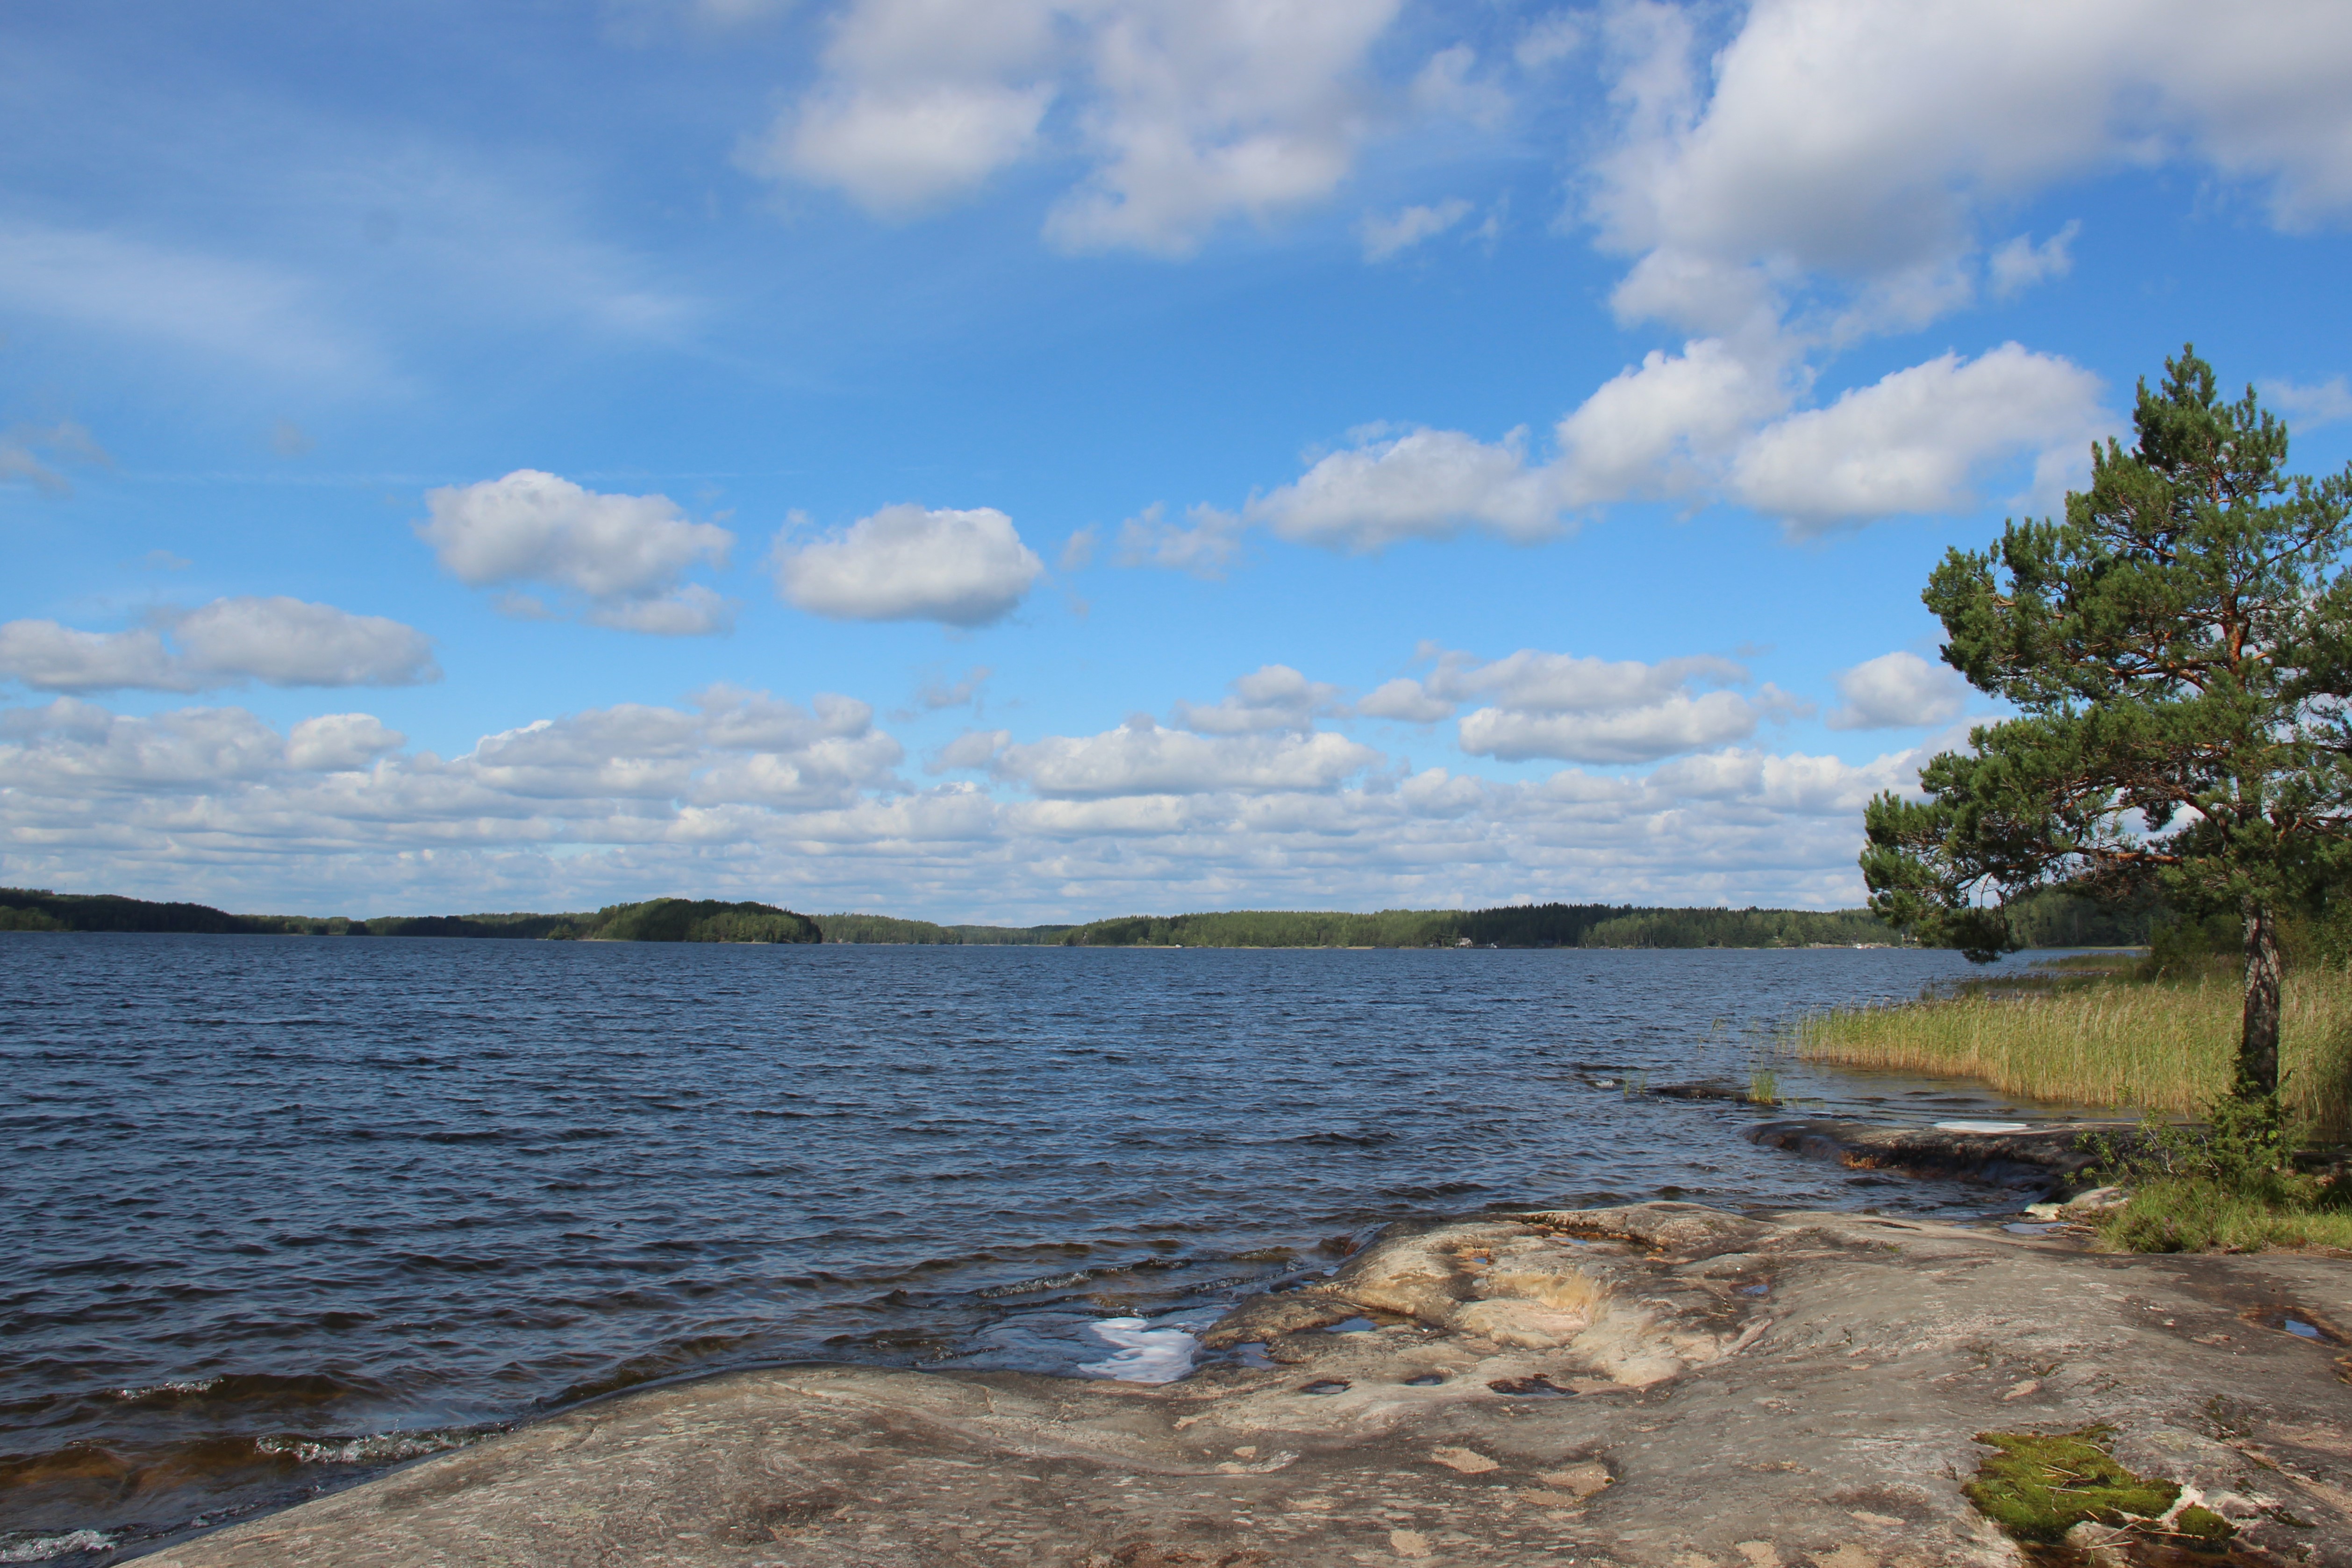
2162, 1046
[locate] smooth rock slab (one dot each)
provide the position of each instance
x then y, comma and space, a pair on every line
1676, 1414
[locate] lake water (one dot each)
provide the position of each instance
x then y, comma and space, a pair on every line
283, 1211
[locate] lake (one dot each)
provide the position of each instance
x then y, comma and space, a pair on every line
283, 1211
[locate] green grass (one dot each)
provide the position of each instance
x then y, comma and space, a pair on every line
2166, 1046
2200, 1214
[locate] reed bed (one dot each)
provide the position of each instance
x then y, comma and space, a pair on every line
2165, 1046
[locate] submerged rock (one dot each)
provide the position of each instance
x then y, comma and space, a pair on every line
1661, 1386
2048, 1155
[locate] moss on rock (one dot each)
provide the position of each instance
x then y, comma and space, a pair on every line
2038, 1488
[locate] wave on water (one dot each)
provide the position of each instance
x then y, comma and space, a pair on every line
1027, 1287
380, 1448
43, 1548
1145, 1354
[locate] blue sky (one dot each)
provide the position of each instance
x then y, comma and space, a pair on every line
1042, 459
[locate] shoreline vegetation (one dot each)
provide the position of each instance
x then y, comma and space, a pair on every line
2111, 1032
2059, 922
2206, 1173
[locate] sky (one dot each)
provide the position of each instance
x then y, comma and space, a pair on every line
1037, 460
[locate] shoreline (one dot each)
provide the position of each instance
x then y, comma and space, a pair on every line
1657, 1385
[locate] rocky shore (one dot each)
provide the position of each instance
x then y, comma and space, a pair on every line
1661, 1385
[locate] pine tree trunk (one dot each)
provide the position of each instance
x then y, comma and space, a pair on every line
2258, 1042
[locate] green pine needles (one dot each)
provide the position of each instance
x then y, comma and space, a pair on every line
2180, 653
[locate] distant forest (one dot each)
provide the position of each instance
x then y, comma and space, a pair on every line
657, 920
2045, 919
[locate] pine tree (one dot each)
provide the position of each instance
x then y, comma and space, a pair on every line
2180, 652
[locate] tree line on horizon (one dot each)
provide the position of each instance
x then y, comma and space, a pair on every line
2047, 920
654, 919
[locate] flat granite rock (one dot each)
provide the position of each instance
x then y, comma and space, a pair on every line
1661, 1385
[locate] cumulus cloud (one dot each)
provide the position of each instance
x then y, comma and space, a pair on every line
278, 641
972, 748
1677, 722
1896, 690
1183, 112
1386, 237
283, 641
48, 656
1140, 758
1852, 142
1711, 423
907, 563
1274, 696
2308, 407
622, 557
1428, 484
1910, 442
334, 742
1584, 709
1405, 699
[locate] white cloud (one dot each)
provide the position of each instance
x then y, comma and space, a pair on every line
1185, 113
899, 152
1140, 758
1711, 423
1597, 710
1405, 699
1274, 696
972, 748
920, 101
1862, 143
283, 641
623, 555
1664, 427
1385, 237
904, 563
29, 454
333, 742
1896, 690
278, 641
48, 656
1205, 547
1679, 722
1910, 442
2018, 264
1204, 108
1429, 484
2309, 406
1537, 682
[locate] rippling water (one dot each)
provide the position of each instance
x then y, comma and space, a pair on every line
282, 1211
